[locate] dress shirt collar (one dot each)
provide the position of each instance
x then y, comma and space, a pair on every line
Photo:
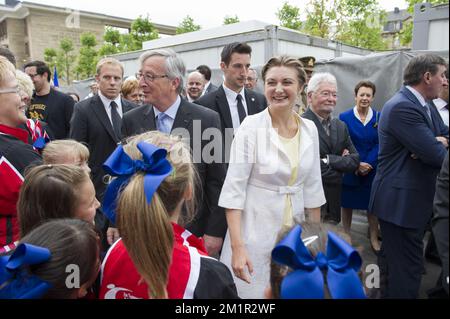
172, 110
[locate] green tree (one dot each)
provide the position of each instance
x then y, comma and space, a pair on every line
87, 58
141, 30
407, 31
289, 17
187, 25
66, 58
230, 20
50, 57
360, 23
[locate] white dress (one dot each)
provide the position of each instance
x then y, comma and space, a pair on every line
257, 183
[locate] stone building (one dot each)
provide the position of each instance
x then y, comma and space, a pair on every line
28, 28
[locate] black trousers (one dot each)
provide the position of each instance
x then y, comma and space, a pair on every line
332, 208
401, 261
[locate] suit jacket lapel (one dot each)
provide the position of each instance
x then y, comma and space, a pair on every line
224, 108
183, 118
252, 102
148, 120
100, 112
416, 102
322, 134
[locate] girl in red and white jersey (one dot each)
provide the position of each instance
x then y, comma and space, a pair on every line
156, 257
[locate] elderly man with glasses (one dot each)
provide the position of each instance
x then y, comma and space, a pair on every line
161, 77
337, 153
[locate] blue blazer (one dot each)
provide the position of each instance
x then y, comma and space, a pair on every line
365, 140
403, 188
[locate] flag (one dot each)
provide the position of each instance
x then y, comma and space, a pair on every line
55, 78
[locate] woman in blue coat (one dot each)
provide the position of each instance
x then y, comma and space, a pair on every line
362, 122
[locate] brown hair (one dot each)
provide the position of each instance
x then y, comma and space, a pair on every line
288, 62
128, 86
367, 84
71, 242
145, 228
278, 272
55, 150
235, 47
419, 65
48, 192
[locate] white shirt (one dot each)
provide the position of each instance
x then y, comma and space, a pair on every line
440, 105
171, 112
107, 105
232, 103
368, 117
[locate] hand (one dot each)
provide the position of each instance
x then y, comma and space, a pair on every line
213, 245
345, 152
112, 234
239, 260
364, 168
443, 140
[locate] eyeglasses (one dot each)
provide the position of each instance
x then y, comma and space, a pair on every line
10, 90
149, 78
327, 94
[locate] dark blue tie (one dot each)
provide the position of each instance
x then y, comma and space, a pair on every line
116, 119
240, 107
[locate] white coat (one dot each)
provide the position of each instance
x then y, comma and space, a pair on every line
257, 183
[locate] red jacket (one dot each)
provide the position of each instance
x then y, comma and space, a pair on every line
15, 156
192, 273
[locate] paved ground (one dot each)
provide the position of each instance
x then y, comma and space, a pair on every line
362, 243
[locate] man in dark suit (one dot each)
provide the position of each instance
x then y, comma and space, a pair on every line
337, 153
96, 121
161, 78
412, 149
231, 100
440, 222
208, 86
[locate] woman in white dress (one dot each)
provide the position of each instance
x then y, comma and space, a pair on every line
273, 178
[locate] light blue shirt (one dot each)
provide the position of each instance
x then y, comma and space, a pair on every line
170, 113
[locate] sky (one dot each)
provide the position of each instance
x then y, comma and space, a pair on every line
206, 13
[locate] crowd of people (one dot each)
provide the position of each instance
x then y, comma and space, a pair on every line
166, 186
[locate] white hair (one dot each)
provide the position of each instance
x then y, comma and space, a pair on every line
319, 78
175, 67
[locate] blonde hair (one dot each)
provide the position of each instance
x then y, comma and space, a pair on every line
55, 150
109, 61
5, 66
145, 228
128, 86
25, 83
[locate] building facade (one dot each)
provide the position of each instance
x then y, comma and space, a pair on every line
27, 29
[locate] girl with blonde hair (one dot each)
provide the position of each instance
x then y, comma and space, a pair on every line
155, 183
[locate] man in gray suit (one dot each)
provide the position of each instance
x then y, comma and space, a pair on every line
161, 77
337, 153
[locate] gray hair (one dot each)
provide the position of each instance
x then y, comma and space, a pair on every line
256, 73
175, 67
318, 78
25, 82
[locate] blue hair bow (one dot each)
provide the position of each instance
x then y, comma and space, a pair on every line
41, 142
119, 164
15, 280
306, 281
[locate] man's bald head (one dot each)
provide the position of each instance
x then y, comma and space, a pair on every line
195, 85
